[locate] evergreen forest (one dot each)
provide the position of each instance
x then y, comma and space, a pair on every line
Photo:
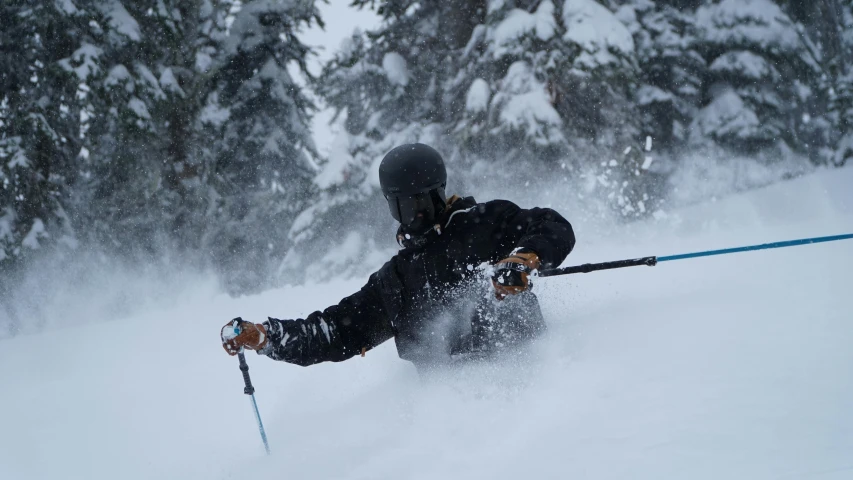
169, 131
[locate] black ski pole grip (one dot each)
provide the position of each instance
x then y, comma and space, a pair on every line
244, 367
595, 267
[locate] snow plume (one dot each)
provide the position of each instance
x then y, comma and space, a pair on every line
61, 291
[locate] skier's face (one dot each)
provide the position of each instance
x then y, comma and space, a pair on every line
416, 212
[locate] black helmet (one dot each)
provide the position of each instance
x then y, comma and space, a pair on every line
413, 178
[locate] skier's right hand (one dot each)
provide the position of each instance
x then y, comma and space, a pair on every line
238, 334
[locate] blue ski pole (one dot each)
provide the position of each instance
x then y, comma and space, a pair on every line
250, 390
652, 261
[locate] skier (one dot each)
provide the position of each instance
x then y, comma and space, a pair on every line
430, 296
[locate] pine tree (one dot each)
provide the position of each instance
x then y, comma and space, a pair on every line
148, 191
559, 78
49, 56
204, 147
263, 156
391, 87
501, 88
842, 73
828, 25
761, 79
672, 70
48, 60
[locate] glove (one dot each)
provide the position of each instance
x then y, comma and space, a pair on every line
512, 273
238, 334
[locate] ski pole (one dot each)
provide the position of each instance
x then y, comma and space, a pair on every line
652, 261
248, 389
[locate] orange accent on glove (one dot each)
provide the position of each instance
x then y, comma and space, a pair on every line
252, 336
523, 264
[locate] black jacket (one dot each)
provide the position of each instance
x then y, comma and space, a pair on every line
433, 296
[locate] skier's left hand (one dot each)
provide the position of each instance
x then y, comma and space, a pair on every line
512, 273
238, 334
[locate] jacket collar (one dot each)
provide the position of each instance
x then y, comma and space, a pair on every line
455, 204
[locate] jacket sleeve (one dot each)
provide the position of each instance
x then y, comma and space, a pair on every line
338, 333
542, 231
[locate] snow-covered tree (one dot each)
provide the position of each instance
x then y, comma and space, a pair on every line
49, 55
502, 88
257, 120
548, 81
142, 127
761, 77
203, 145
828, 24
390, 87
671, 69
552, 83
148, 177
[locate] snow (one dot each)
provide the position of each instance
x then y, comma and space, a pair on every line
229, 333
169, 83
726, 115
121, 21
203, 61
844, 152
395, 69
477, 99
758, 23
67, 6
335, 171
118, 75
545, 21
31, 240
744, 63
244, 31
597, 31
7, 219
85, 61
19, 159
648, 94
350, 246
524, 104
151, 80
518, 23
213, 113
494, 5
139, 108
726, 367
341, 20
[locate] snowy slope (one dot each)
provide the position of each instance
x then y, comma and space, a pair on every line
729, 367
